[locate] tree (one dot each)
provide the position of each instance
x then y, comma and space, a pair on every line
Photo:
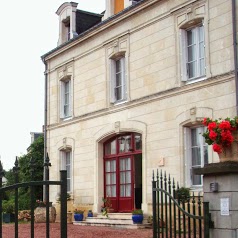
34, 155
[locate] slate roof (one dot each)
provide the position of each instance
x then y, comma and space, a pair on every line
86, 20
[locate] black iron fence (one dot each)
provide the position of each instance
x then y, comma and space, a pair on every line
176, 217
63, 195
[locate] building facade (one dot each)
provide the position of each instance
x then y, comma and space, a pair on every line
127, 95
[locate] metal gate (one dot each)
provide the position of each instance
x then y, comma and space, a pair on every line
173, 217
63, 195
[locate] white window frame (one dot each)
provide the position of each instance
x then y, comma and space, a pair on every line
66, 99
188, 154
198, 32
118, 84
67, 165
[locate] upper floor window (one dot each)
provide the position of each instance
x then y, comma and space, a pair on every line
118, 80
193, 53
196, 154
65, 104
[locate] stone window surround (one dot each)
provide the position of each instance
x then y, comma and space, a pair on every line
65, 73
116, 49
186, 18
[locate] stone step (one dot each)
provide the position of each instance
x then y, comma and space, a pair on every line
109, 220
116, 215
122, 220
118, 225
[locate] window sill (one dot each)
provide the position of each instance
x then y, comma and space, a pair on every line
191, 81
66, 118
119, 103
197, 190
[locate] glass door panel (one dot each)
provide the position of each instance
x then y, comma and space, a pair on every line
110, 177
126, 184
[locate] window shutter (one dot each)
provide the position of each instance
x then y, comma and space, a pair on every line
62, 160
187, 153
124, 88
183, 55
61, 99
70, 98
112, 80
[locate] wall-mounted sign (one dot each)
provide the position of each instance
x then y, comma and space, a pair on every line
224, 205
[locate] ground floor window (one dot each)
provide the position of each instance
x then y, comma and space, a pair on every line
196, 153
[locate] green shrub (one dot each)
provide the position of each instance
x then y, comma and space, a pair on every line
137, 212
8, 206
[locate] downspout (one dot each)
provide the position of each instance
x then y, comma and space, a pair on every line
45, 122
234, 28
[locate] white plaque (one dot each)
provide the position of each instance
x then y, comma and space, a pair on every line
224, 207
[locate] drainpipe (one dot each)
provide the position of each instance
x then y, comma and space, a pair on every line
234, 28
45, 125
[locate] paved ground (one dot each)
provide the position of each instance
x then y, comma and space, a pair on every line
75, 231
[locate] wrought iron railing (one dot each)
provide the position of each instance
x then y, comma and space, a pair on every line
63, 190
173, 217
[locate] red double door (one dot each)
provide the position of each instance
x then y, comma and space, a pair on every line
119, 183
123, 171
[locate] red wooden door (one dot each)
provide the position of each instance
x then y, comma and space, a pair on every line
119, 174
126, 184
119, 183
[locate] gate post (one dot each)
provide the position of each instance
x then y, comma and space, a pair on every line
16, 175
63, 203
1, 176
221, 191
154, 207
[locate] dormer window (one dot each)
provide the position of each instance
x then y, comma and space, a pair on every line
66, 28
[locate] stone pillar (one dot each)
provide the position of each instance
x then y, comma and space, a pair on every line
220, 186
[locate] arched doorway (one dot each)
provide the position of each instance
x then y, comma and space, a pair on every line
123, 171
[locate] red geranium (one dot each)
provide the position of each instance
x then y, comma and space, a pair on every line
212, 126
217, 148
213, 135
219, 132
226, 137
225, 125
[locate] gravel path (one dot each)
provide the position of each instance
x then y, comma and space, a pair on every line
75, 231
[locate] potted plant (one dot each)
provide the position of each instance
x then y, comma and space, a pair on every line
137, 216
78, 215
8, 209
223, 136
182, 194
90, 213
107, 206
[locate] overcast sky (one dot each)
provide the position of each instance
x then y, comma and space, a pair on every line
29, 30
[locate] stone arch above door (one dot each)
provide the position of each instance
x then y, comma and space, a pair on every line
104, 134
119, 127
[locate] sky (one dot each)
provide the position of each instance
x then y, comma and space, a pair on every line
29, 30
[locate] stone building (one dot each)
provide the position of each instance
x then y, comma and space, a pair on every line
127, 90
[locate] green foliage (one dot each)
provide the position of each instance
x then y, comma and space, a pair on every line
68, 198
183, 194
24, 201
137, 212
8, 206
76, 211
35, 152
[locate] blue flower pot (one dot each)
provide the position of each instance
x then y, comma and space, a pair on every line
90, 214
78, 217
137, 219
